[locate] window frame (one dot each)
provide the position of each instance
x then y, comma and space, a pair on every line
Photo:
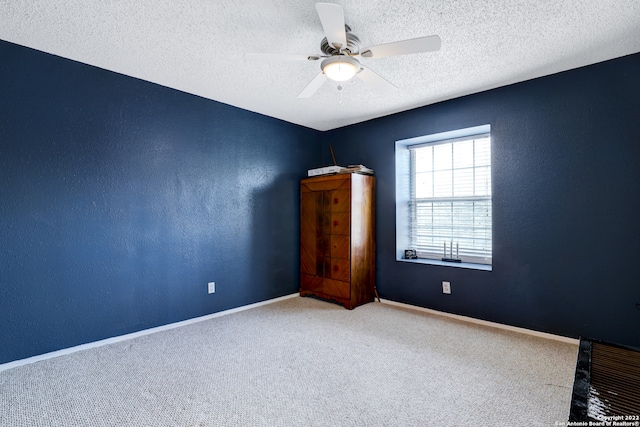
403, 191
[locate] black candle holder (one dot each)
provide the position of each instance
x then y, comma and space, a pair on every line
450, 258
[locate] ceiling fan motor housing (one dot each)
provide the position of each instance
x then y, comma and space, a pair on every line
352, 47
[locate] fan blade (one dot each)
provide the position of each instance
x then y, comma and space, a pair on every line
404, 47
332, 18
279, 57
378, 82
312, 87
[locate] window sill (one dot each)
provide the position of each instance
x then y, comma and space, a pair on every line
468, 265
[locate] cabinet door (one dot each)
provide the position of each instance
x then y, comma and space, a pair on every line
311, 233
324, 229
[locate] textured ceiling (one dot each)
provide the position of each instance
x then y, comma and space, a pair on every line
198, 46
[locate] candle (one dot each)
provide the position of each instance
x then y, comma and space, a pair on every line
451, 249
457, 256
445, 250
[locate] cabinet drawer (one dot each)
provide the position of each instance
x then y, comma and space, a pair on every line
337, 246
324, 286
338, 269
337, 223
340, 200
327, 183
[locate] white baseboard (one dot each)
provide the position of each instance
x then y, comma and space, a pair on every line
485, 323
64, 351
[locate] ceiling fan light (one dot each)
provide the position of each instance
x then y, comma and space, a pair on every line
340, 68
340, 71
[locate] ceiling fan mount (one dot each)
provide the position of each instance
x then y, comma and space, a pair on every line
340, 48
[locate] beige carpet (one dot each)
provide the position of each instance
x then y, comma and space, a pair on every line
302, 362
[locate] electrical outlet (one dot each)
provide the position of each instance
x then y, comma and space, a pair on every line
211, 287
446, 287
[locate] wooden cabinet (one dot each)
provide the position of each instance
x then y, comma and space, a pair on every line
337, 238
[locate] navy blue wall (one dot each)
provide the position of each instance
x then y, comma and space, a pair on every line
121, 199
566, 203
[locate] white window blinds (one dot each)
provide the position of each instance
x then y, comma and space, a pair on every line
450, 199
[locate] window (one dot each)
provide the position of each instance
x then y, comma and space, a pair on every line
443, 196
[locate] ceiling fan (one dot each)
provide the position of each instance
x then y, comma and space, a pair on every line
340, 48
